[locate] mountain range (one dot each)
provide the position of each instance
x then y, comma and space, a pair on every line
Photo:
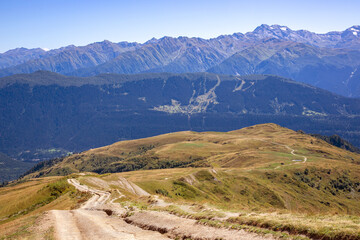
330, 61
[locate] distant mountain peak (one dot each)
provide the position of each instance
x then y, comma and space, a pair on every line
153, 40
106, 42
271, 28
355, 30
351, 33
263, 27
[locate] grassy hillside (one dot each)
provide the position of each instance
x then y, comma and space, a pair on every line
304, 189
262, 176
321, 203
21, 204
263, 166
265, 146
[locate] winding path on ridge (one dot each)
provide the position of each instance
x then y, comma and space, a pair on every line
292, 151
93, 221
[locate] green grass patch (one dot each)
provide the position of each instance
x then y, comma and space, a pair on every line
189, 145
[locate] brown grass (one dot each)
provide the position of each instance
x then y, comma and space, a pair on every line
260, 146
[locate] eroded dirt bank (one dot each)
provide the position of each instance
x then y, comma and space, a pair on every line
183, 228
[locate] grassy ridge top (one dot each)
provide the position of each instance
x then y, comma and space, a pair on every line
265, 146
259, 167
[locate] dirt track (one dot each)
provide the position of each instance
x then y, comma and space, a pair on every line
88, 224
292, 152
92, 222
100, 218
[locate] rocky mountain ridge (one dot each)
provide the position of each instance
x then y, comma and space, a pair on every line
303, 55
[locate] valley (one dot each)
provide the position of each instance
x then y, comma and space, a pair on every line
72, 114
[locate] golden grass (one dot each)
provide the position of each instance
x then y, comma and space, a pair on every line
260, 146
302, 213
22, 204
315, 226
22, 196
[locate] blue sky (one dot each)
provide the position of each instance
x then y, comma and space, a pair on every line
55, 23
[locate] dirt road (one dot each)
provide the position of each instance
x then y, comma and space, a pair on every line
91, 221
88, 224
100, 218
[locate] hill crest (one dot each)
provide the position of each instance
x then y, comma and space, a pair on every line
257, 146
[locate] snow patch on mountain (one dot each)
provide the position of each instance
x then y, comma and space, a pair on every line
355, 31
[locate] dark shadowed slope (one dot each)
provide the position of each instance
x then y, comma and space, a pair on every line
56, 113
11, 169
